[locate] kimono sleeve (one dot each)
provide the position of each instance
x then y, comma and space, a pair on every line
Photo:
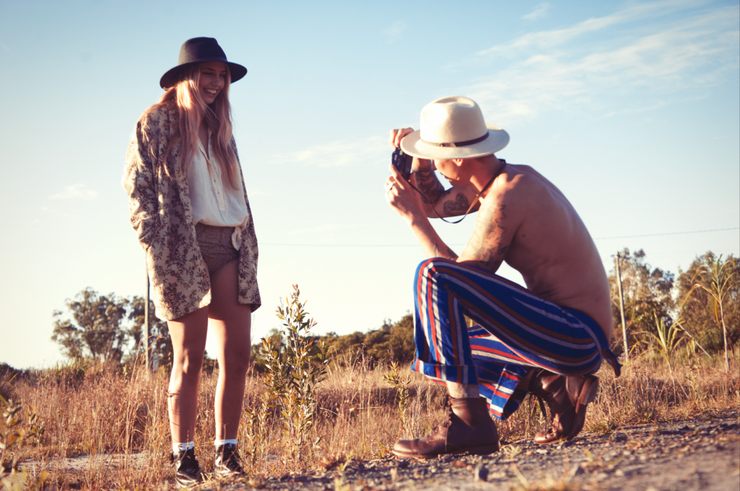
139, 182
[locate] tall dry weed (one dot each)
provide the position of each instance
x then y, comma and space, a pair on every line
99, 410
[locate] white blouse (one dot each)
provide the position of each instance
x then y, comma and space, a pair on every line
213, 203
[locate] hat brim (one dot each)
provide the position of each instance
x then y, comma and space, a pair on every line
172, 76
412, 144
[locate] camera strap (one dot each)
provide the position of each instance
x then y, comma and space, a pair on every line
483, 190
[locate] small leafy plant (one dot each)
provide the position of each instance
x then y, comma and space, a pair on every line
293, 372
15, 434
403, 399
667, 338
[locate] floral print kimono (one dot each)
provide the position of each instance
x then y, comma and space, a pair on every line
162, 216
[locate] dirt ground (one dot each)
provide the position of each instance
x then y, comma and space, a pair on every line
684, 455
692, 455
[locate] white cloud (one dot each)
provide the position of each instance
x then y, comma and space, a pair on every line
553, 73
395, 31
539, 11
557, 37
635, 110
342, 153
75, 191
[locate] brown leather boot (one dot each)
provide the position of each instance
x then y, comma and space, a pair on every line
567, 398
468, 428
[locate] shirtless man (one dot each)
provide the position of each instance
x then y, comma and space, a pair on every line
547, 339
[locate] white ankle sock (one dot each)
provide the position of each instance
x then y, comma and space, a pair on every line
218, 443
182, 447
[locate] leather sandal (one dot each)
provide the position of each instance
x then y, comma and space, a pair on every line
568, 398
468, 428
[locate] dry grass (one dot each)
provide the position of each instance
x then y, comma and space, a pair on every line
98, 410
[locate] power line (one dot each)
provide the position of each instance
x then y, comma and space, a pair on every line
339, 245
669, 233
417, 245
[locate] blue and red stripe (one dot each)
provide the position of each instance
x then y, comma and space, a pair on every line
516, 330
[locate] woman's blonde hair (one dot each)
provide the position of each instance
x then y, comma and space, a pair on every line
192, 109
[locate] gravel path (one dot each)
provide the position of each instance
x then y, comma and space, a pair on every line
694, 455
691, 455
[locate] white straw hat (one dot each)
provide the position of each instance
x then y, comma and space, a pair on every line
453, 128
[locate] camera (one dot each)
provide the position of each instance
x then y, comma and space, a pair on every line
402, 163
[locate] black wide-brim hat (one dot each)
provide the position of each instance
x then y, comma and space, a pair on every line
200, 50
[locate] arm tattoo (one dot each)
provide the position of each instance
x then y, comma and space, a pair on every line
427, 182
457, 207
487, 241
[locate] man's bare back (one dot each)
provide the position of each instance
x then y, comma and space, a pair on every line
523, 219
538, 232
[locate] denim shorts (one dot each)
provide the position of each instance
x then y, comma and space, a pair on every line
216, 246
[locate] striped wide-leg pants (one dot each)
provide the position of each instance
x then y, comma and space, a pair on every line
516, 331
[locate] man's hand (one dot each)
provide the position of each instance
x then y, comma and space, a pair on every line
398, 191
397, 136
408, 203
402, 197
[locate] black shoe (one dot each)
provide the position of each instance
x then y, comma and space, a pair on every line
187, 470
227, 462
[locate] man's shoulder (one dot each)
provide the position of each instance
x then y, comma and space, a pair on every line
523, 193
518, 180
525, 172
523, 179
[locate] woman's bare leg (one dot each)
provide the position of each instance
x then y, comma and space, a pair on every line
188, 334
230, 324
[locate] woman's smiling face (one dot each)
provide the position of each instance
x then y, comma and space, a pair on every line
212, 80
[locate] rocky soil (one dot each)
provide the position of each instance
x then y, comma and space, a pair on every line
692, 455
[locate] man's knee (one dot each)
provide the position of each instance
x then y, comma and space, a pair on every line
429, 267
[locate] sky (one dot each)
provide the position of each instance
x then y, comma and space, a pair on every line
630, 107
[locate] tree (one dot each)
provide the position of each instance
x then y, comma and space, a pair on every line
401, 345
95, 329
393, 342
648, 298
273, 342
349, 344
160, 343
711, 306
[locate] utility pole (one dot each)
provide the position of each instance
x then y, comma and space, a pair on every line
621, 309
146, 320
